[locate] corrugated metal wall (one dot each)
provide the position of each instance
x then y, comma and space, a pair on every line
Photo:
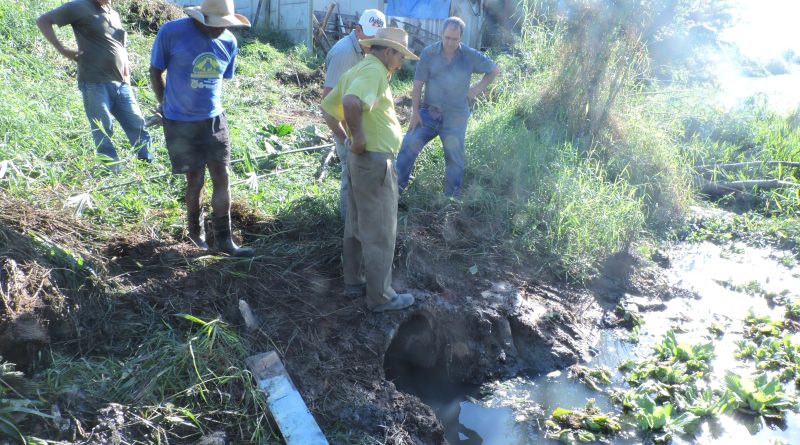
294, 16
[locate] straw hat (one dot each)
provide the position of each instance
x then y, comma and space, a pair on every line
394, 38
217, 14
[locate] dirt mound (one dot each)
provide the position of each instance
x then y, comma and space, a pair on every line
37, 273
147, 15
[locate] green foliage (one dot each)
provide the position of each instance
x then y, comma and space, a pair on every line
696, 357
705, 403
592, 377
793, 310
751, 133
770, 344
147, 16
660, 420
628, 316
582, 425
761, 395
14, 407
196, 379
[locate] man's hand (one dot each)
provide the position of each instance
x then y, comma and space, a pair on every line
126, 73
474, 91
357, 144
415, 121
71, 54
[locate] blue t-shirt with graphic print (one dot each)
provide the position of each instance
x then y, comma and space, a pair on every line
195, 65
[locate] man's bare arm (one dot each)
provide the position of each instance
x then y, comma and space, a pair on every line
45, 25
157, 84
416, 95
480, 87
352, 116
335, 126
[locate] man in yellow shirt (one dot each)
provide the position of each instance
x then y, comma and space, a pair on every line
360, 110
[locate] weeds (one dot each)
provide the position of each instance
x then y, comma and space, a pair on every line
14, 406
582, 425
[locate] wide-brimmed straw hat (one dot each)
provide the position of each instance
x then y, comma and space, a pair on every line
394, 38
217, 14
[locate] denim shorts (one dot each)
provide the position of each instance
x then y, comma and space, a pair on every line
191, 145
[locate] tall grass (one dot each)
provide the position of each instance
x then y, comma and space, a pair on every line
562, 155
750, 133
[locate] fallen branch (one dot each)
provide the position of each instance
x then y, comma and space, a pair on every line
726, 187
322, 172
83, 200
735, 165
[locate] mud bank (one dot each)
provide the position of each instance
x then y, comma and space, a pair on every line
470, 330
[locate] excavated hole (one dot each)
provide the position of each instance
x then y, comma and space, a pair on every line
416, 362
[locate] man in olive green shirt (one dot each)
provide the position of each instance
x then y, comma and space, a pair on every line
103, 72
362, 102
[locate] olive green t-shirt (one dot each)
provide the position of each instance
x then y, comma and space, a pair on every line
99, 35
369, 81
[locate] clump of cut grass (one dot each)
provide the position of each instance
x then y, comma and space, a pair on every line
187, 385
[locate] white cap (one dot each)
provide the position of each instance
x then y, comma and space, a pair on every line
371, 21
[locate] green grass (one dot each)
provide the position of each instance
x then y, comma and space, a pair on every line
549, 191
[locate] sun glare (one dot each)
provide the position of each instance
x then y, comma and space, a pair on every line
765, 28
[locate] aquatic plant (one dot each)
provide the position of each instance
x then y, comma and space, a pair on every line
586, 425
628, 316
773, 353
696, 357
592, 377
761, 395
758, 326
659, 419
793, 310
705, 403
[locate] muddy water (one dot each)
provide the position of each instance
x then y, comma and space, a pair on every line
511, 412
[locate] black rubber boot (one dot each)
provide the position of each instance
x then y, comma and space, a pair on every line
222, 238
197, 230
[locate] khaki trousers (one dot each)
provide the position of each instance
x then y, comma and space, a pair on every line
370, 226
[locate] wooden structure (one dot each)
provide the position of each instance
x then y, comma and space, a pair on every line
254, 10
321, 23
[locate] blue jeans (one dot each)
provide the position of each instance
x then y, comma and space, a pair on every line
102, 100
451, 129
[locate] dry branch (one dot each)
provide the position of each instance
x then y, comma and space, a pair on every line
735, 165
322, 171
720, 188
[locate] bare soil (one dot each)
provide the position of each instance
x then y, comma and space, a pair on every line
502, 320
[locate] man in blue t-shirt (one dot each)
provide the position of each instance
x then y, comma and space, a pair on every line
197, 52
445, 69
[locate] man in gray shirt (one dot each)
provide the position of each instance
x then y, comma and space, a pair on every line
342, 56
103, 72
445, 70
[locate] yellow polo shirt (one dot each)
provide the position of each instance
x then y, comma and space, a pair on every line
369, 81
